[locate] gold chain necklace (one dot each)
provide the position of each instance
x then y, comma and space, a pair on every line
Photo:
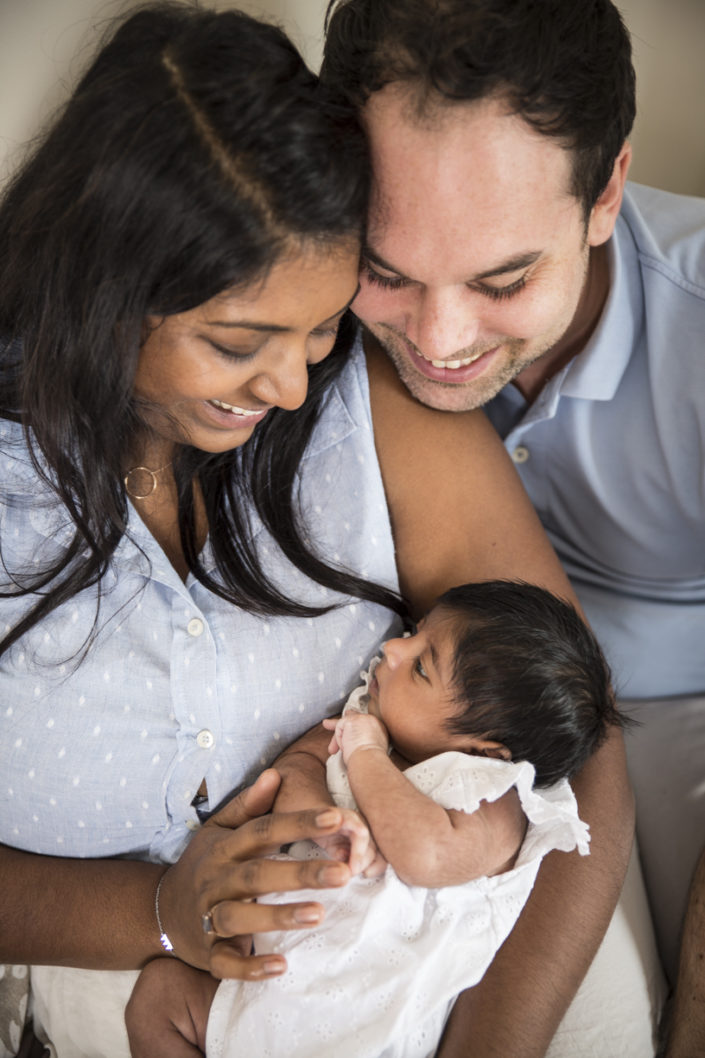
132, 483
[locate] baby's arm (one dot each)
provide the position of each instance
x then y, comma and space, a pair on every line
425, 843
302, 767
167, 1014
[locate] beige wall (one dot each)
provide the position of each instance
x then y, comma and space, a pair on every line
43, 43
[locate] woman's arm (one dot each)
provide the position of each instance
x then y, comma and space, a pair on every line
425, 843
459, 513
100, 914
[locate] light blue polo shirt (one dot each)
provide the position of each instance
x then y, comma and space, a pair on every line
612, 452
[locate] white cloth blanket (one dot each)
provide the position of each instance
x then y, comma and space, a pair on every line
378, 977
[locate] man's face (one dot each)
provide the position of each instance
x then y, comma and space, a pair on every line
477, 252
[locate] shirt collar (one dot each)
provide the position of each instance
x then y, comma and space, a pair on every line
596, 372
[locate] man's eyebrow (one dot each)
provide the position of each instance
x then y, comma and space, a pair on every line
512, 264
256, 325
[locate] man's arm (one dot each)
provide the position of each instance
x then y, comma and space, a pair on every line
517, 1007
461, 490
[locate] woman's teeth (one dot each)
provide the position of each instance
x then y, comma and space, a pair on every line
232, 408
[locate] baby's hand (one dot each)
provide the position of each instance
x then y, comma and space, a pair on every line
356, 731
352, 843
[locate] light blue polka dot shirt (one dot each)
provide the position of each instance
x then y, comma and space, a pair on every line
104, 757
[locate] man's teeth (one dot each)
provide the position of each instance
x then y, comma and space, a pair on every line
232, 408
453, 365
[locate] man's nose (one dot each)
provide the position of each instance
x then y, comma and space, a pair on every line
446, 323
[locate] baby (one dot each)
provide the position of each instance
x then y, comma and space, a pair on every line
497, 675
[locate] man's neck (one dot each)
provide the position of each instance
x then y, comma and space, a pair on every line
532, 379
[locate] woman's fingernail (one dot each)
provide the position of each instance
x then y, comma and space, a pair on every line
328, 818
333, 874
308, 914
274, 966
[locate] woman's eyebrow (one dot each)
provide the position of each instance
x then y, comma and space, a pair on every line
257, 325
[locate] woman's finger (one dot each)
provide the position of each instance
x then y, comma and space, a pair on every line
244, 881
227, 961
250, 803
266, 834
232, 918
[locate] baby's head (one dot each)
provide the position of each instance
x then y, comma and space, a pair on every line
498, 668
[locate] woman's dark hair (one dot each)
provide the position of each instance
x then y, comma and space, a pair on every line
196, 151
564, 66
528, 673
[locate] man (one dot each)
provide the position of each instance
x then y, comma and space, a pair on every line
508, 267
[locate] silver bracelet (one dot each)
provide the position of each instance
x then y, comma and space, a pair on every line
163, 937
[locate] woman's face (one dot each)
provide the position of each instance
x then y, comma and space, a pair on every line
208, 376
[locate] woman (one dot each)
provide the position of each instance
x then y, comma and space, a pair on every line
203, 538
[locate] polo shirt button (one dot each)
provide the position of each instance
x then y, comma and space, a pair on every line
193, 824
520, 454
205, 739
195, 626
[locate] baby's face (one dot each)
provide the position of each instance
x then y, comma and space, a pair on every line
411, 690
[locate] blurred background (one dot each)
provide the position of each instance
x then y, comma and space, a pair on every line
44, 45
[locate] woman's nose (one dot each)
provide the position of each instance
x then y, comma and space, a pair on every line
284, 382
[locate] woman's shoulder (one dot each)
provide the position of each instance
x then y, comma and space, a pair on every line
346, 409
31, 515
17, 470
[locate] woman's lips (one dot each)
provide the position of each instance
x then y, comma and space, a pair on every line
233, 417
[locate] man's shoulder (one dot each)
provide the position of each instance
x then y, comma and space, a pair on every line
668, 232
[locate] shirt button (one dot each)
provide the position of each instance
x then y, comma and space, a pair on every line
520, 454
193, 824
195, 626
205, 739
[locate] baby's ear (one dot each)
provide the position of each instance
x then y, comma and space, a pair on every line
486, 748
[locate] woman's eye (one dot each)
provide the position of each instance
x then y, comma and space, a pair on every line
386, 282
233, 354
499, 293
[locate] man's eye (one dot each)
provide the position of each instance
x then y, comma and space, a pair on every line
499, 293
386, 282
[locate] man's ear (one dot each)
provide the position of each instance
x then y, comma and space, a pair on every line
605, 211
484, 747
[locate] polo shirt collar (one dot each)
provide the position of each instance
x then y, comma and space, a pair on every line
597, 371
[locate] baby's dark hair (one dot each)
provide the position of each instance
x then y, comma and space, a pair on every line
529, 673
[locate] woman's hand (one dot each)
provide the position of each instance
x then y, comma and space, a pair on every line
207, 899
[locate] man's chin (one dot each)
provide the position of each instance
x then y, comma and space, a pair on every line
434, 393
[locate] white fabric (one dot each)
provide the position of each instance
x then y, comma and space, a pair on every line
614, 1014
377, 979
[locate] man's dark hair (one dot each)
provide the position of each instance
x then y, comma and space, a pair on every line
564, 67
529, 673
